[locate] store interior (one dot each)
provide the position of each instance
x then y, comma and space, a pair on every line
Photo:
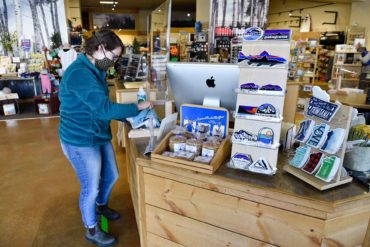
240, 89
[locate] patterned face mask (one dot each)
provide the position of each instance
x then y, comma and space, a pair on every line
104, 64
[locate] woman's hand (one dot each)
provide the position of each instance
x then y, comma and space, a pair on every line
144, 105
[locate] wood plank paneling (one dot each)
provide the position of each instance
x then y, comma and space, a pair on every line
258, 221
192, 233
156, 241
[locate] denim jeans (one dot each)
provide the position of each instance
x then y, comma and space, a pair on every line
97, 172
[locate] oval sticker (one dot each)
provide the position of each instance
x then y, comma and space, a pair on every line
253, 33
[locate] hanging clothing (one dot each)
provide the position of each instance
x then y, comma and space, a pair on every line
45, 83
67, 58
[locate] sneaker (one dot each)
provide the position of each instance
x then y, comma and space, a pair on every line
107, 212
100, 238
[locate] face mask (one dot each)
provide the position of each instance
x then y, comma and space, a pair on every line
104, 64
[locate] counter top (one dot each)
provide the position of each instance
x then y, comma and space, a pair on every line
282, 181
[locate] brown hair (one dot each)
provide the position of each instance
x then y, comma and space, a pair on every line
105, 37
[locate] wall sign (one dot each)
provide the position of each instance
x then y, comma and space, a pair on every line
26, 44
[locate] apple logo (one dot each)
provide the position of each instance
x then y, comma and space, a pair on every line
211, 82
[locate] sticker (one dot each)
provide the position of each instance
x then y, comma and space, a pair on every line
328, 168
322, 109
263, 59
266, 136
253, 87
249, 110
266, 110
333, 141
318, 135
168, 154
270, 87
203, 159
301, 156
313, 163
191, 149
262, 166
277, 34
252, 33
185, 155
177, 147
241, 161
249, 86
244, 136
305, 129
208, 152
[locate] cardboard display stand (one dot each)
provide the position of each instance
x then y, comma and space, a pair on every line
261, 72
342, 119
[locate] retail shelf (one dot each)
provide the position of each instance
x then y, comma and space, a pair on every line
346, 52
260, 92
259, 118
349, 65
257, 144
347, 79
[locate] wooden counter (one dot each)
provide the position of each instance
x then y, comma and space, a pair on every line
356, 100
176, 207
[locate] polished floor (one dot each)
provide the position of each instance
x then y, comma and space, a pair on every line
39, 190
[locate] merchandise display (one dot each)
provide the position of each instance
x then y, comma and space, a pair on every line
260, 100
322, 137
303, 61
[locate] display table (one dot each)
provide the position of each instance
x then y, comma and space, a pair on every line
177, 207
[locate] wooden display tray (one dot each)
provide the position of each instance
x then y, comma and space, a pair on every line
222, 154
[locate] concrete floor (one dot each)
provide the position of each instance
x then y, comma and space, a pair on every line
39, 190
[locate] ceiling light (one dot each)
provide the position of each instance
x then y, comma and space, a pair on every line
107, 2
159, 10
290, 13
188, 14
113, 9
107, 25
94, 27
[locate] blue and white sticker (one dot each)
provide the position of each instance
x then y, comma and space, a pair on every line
252, 33
322, 109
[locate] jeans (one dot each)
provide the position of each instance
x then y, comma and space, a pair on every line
97, 172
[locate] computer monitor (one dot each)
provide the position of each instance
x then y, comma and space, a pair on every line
191, 83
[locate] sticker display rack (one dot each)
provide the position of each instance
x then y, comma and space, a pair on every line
257, 133
342, 119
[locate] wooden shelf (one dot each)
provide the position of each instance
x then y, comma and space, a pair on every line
346, 52
346, 79
349, 65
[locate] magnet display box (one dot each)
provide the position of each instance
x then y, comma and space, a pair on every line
221, 155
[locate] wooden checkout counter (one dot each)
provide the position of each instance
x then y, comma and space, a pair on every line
177, 207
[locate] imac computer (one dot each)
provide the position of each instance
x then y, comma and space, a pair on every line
204, 84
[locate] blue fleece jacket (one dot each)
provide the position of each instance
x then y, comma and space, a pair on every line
85, 109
